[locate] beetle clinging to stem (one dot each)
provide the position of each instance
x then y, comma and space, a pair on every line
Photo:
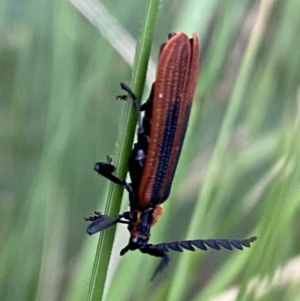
155, 155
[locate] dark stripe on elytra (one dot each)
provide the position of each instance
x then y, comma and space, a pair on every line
164, 155
186, 116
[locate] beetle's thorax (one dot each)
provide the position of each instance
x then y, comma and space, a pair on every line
140, 225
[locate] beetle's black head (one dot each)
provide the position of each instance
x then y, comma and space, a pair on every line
139, 228
135, 243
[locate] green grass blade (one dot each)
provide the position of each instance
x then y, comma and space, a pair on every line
125, 142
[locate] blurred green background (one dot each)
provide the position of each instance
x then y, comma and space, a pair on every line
61, 63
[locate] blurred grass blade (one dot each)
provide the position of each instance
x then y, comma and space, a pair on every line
120, 39
179, 288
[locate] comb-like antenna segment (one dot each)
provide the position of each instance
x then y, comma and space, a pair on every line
204, 244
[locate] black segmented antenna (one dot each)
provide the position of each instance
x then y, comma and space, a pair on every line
204, 244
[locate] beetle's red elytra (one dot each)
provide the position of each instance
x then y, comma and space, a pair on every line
174, 90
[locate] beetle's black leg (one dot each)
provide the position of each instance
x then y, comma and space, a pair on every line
140, 148
101, 221
157, 252
97, 214
109, 159
161, 266
124, 250
106, 170
147, 105
122, 97
137, 106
